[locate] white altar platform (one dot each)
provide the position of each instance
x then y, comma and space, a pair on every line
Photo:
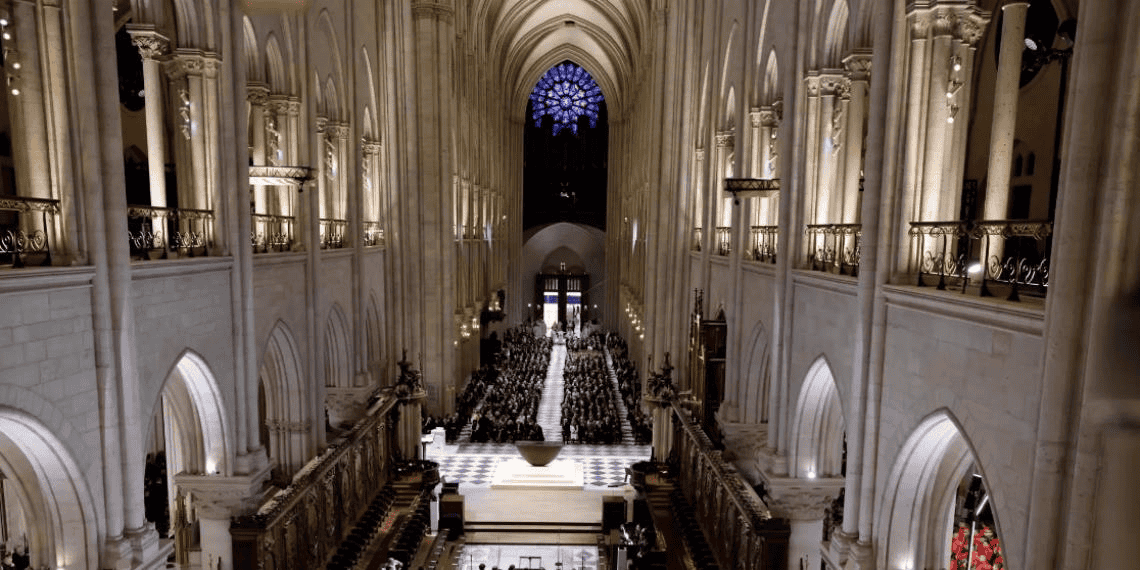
516, 473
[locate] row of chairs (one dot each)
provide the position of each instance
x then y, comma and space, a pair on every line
686, 521
348, 555
412, 532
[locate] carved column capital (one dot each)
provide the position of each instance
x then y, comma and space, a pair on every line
219, 497
767, 116
801, 499
337, 131
322, 125
369, 147
858, 64
970, 25
811, 84
834, 84
257, 94
920, 23
755, 118
725, 139
438, 9
150, 43
186, 62
699, 154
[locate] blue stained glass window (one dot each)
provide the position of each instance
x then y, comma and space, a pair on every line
565, 93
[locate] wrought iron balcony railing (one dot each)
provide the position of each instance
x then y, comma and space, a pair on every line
698, 235
1011, 253
834, 248
762, 244
24, 227
723, 240
332, 233
271, 233
373, 234
190, 231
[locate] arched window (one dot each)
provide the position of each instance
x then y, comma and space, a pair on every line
566, 92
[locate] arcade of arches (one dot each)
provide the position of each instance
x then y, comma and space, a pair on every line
854, 278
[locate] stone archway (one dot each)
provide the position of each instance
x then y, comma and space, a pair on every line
914, 520
51, 492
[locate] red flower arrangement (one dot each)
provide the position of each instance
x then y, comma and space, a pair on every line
987, 554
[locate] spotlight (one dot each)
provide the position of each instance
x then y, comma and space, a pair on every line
975, 269
7, 36
957, 67
15, 65
949, 119
3, 21
1029, 43
15, 91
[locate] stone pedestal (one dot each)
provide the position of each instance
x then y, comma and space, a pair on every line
216, 499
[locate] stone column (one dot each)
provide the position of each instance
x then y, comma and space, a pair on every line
152, 47
26, 106
660, 413
1006, 87
339, 208
725, 144
193, 82
813, 144
700, 216
408, 430
430, 241
858, 66
215, 500
802, 502
258, 97
936, 114
832, 124
324, 171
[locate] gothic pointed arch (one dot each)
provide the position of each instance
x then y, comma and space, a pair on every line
51, 491
286, 417
276, 74
818, 429
757, 378
374, 340
254, 69
916, 515
834, 39
337, 353
198, 430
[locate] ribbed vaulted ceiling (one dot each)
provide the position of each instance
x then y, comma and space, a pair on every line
527, 37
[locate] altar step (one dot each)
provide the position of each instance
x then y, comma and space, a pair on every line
532, 527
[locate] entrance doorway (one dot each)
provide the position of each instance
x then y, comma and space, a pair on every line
562, 300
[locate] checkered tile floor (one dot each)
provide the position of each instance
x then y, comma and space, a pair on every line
476, 469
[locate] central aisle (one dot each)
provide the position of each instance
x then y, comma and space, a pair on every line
550, 407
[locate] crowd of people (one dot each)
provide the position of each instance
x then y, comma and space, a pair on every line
630, 387
501, 400
589, 413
